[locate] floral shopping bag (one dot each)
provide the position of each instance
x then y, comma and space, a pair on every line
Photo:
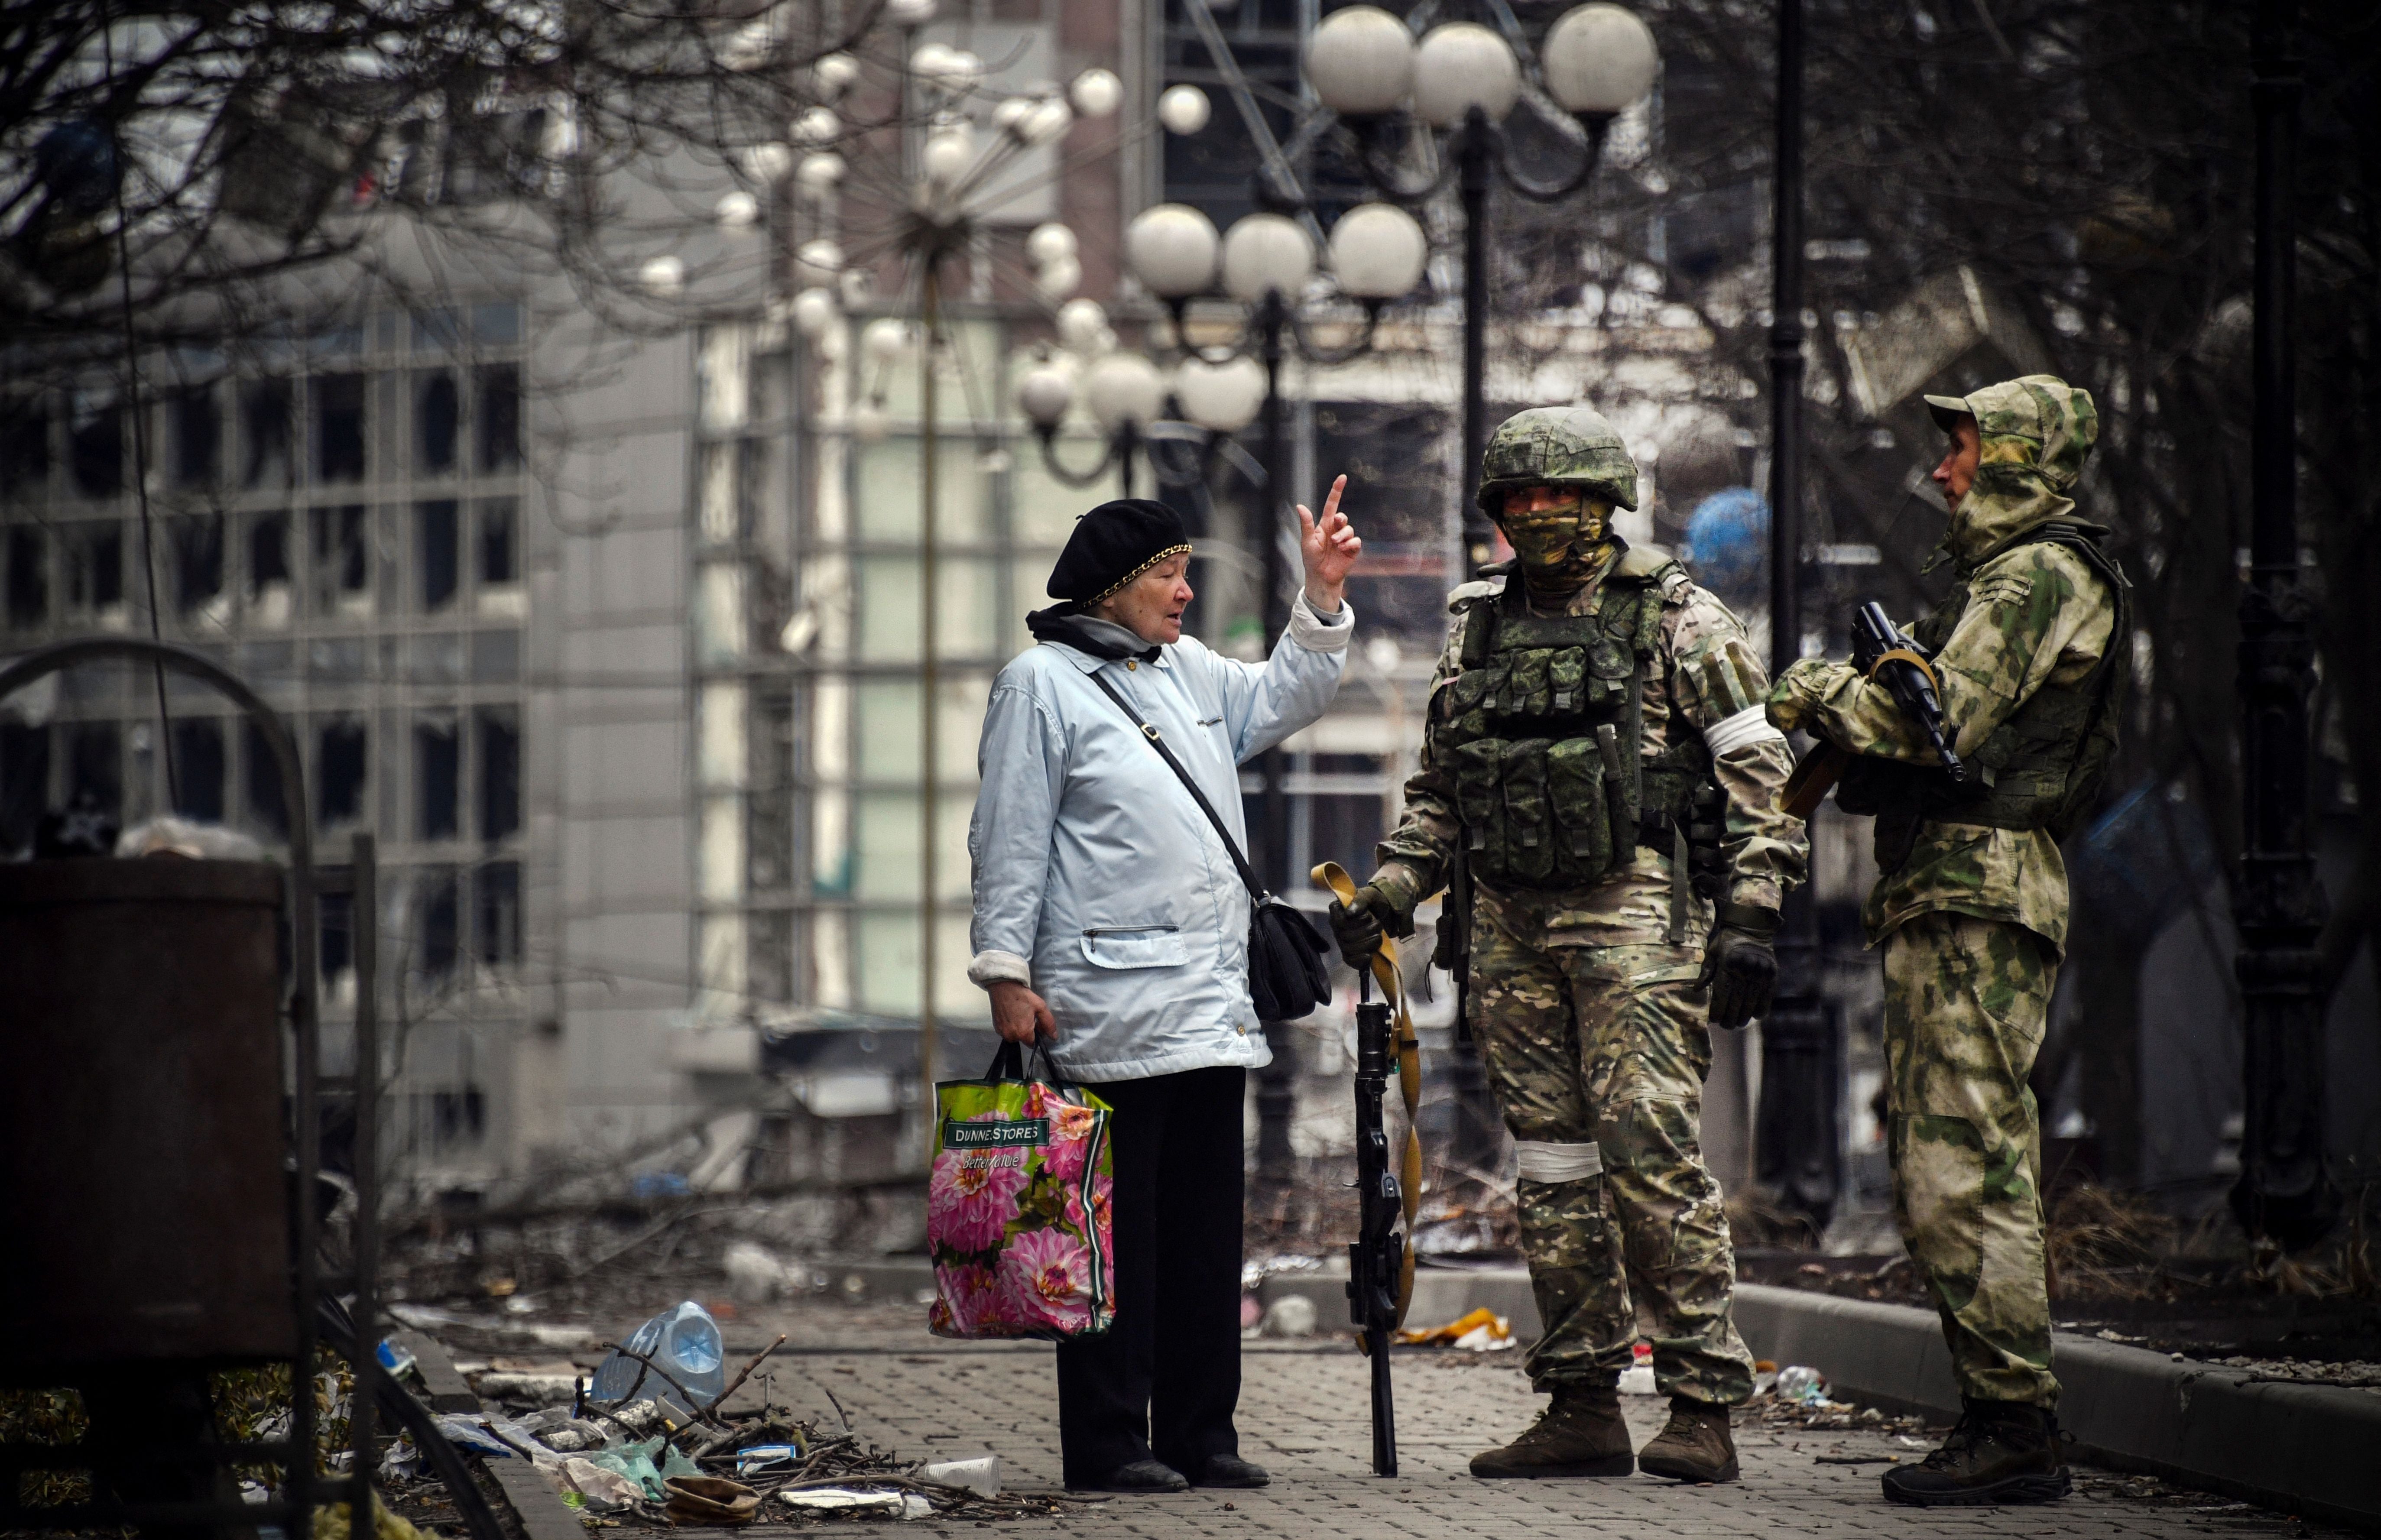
1016, 1212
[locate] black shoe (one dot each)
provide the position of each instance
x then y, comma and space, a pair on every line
1141, 1475
2001, 1452
1230, 1469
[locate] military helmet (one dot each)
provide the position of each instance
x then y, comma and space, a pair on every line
1557, 446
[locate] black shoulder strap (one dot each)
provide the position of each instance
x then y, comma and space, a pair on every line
1157, 742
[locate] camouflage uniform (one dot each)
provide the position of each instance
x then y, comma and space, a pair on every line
1970, 905
1586, 936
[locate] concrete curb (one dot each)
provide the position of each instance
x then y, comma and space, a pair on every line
2309, 1449
542, 1513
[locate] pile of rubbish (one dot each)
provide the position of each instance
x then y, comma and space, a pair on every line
648, 1437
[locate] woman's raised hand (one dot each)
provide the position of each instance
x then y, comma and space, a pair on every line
1329, 548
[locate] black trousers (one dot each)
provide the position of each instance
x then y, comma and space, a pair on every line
1162, 1381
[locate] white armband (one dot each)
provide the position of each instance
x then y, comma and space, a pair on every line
1749, 726
1539, 1161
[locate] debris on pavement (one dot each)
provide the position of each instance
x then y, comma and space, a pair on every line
1480, 1331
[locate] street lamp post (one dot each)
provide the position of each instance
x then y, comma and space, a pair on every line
1795, 1141
1266, 262
2285, 1194
1460, 80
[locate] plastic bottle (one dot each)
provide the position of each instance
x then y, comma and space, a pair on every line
685, 1343
1801, 1385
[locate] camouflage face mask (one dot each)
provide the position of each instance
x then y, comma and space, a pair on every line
1547, 540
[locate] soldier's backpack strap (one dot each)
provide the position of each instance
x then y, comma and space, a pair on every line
1476, 602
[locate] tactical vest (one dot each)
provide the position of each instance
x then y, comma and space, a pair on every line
1542, 733
2041, 767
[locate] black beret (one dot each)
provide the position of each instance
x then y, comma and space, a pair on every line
1113, 545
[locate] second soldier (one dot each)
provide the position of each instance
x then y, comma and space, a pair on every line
1596, 790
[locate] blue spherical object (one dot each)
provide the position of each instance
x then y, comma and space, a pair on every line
76, 163
1727, 545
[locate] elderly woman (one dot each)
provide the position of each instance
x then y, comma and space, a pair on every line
1111, 922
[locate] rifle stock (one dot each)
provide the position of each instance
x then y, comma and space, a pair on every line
1812, 778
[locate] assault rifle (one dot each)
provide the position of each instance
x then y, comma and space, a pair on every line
1375, 1258
1882, 652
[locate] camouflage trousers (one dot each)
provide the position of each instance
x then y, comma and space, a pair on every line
1587, 1042
1965, 1003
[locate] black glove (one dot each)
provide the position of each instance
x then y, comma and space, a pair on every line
1378, 910
1740, 964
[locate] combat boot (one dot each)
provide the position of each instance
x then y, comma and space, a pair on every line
1696, 1446
1579, 1434
2000, 1452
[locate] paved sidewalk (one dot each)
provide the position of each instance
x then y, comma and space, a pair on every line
1304, 1416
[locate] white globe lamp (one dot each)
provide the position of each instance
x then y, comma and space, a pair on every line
815, 312
816, 127
1460, 66
1057, 278
1097, 93
1045, 394
833, 74
1221, 397
948, 152
818, 174
1171, 248
1082, 324
1266, 254
1379, 252
883, 339
1049, 242
1183, 110
737, 211
1361, 61
1121, 388
817, 262
1600, 59
662, 276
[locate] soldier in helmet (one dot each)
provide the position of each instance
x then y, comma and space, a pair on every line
1596, 791
2029, 650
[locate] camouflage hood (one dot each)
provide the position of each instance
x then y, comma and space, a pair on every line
2037, 432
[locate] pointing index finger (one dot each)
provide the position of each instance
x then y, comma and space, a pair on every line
1331, 503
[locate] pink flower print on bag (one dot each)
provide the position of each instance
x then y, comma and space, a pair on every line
1045, 1279
1070, 1140
972, 1197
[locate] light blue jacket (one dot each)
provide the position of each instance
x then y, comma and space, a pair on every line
1098, 882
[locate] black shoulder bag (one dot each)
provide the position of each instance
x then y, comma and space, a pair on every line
1285, 974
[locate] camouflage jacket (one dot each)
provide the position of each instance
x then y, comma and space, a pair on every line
2035, 613
1706, 672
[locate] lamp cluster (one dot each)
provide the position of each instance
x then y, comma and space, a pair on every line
1363, 62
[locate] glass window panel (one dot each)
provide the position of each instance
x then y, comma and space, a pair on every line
889, 729
499, 541
438, 936
438, 331
199, 768
94, 564
886, 864
341, 755
888, 967
197, 437
1041, 511
342, 547
95, 765
264, 804
95, 451
265, 433
495, 657
437, 775
437, 421
338, 427
28, 578
24, 782
496, 900
499, 387
198, 544
500, 768
965, 619
437, 541
25, 447
886, 494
